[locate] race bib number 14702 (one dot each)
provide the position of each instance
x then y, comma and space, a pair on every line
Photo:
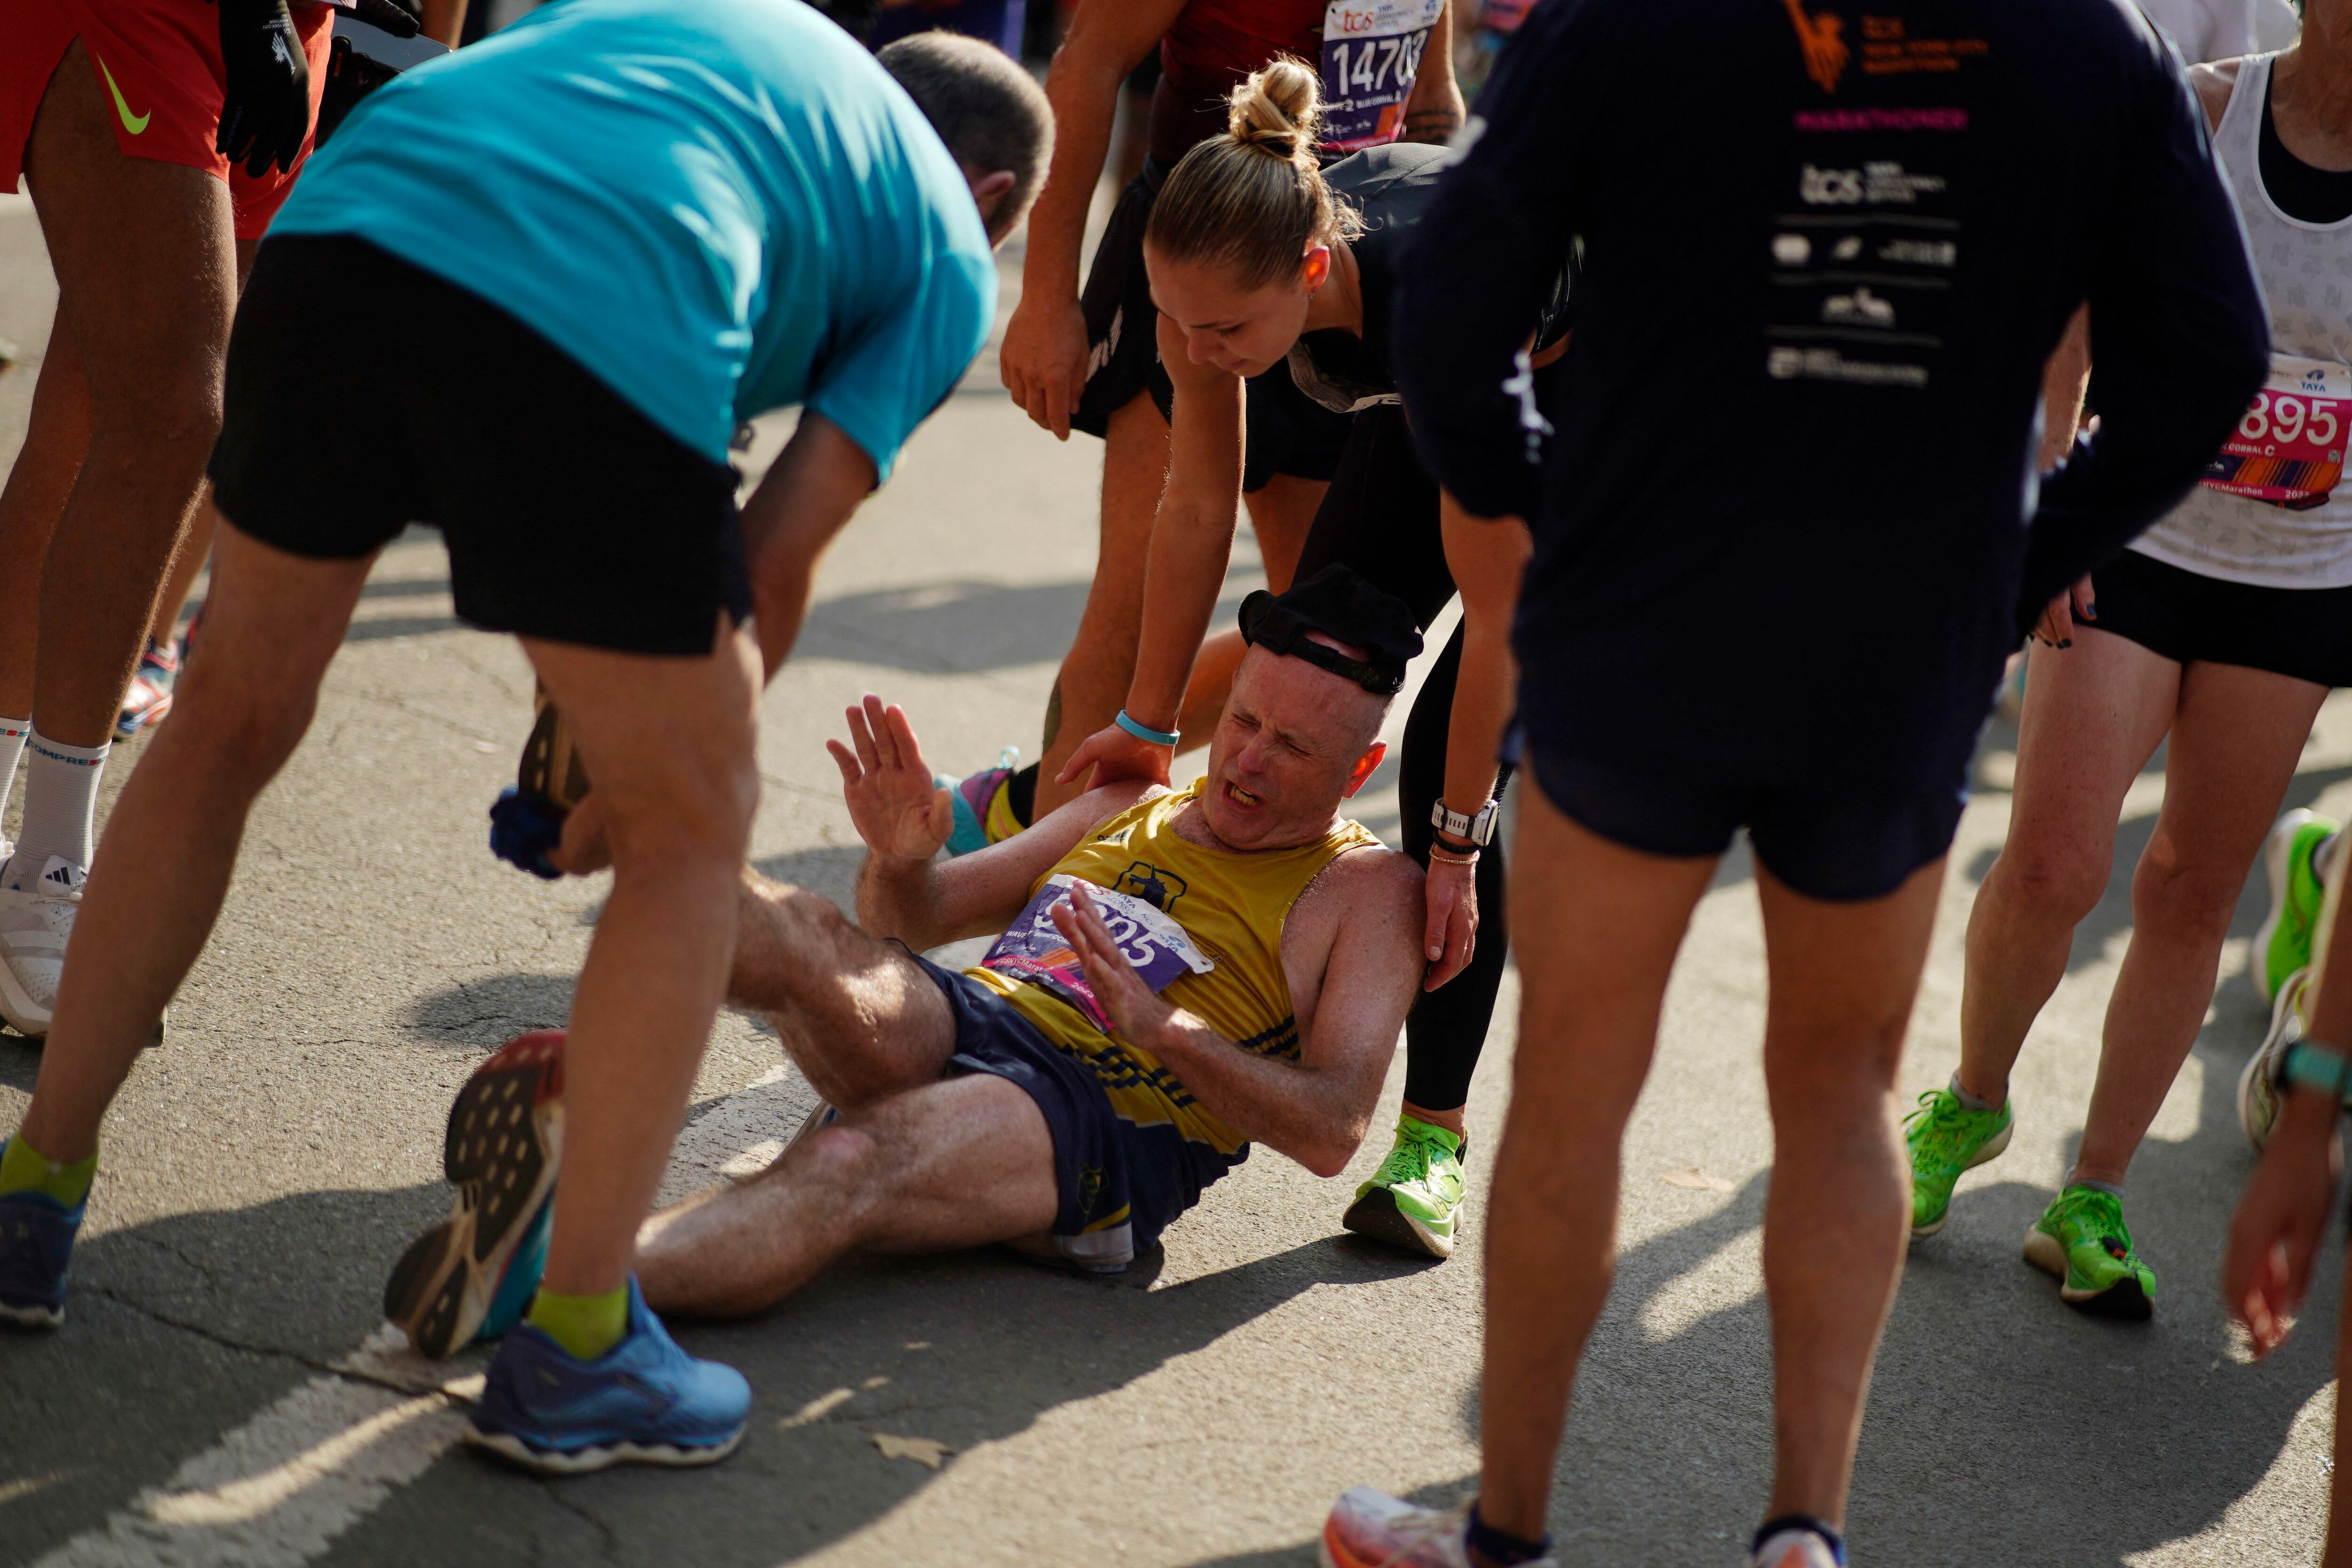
1371, 53
2288, 450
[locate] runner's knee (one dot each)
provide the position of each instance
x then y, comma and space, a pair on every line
239, 726
2060, 881
2184, 893
693, 812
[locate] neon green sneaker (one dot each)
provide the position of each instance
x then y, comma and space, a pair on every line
1415, 1199
1946, 1138
2082, 1239
2283, 944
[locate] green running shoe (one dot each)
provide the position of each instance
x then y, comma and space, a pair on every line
1415, 1199
1946, 1138
2082, 1239
2283, 944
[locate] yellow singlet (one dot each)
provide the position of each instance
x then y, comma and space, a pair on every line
1231, 904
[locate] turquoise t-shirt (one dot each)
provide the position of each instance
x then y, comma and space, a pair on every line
720, 209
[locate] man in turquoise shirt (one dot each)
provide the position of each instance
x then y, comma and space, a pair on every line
590, 248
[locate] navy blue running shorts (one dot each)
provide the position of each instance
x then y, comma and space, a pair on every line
1836, 845
1121, 1184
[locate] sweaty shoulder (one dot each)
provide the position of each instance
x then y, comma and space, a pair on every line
1363, 889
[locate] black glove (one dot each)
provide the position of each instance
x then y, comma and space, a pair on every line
267, 111
400, 18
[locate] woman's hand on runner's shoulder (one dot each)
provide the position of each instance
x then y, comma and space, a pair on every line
1114, 754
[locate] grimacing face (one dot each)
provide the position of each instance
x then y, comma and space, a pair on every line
1294, 741
1242, 331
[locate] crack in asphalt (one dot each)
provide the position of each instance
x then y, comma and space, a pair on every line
278, 1352
607, 1534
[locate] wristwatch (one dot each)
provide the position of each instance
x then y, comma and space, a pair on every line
1478, 829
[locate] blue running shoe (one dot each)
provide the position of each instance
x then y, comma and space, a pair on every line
36, 1237
642, 1402
471, 1276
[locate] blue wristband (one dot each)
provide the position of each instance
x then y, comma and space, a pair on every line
1146, 732
2313, 1066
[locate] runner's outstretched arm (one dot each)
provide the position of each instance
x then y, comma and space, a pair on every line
902, 892
1191, 544
1434, 111
1316, 1108
1482, 265
815, 485
1487, 558
1042, 361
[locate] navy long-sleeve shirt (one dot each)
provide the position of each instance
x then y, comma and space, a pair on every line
1782, 529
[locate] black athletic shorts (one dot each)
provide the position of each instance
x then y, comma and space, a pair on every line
568, 514
1121, 1184
1838, 845
2304, 633
1288, 432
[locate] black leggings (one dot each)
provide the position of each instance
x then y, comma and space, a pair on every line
1380, 517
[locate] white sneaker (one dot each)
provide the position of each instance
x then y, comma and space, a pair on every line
2260, 1086
1370, 1529
34, 921
1796, 1547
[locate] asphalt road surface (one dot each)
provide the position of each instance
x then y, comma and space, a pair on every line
220, 1394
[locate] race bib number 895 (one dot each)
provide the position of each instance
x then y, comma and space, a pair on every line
1372, 54
2288, 449
1033, 948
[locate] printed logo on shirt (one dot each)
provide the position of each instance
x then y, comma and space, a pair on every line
1846, 120
1822, 38
1888, 49
1155, 887
1880, 184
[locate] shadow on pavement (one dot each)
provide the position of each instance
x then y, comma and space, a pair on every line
492, 1010
956, 628
2003, 1426
960, 1350
178, 1330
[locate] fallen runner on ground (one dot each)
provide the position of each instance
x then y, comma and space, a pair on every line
1180, 975
669, 218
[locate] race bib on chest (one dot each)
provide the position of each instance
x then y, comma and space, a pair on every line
2288, 450
1033, 948
1371, 53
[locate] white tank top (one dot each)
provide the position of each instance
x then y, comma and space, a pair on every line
2307, 277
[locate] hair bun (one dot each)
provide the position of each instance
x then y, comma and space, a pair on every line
1278, 110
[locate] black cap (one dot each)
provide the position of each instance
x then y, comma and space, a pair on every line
1344, 607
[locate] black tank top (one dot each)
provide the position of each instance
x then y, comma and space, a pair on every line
2305, 193
1391, 187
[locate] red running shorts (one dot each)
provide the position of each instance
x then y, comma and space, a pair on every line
158, 64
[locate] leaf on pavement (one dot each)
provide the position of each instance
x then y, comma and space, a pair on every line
1698, 1181
922, 1450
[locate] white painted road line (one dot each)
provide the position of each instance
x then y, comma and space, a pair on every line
278, 1491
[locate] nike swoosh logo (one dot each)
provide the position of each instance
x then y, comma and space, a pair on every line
133, 123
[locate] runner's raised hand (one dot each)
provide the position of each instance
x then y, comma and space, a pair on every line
893, 803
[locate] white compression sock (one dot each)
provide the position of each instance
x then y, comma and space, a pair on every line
12, 751
60, 800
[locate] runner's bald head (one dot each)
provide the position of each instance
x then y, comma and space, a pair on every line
992, 114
